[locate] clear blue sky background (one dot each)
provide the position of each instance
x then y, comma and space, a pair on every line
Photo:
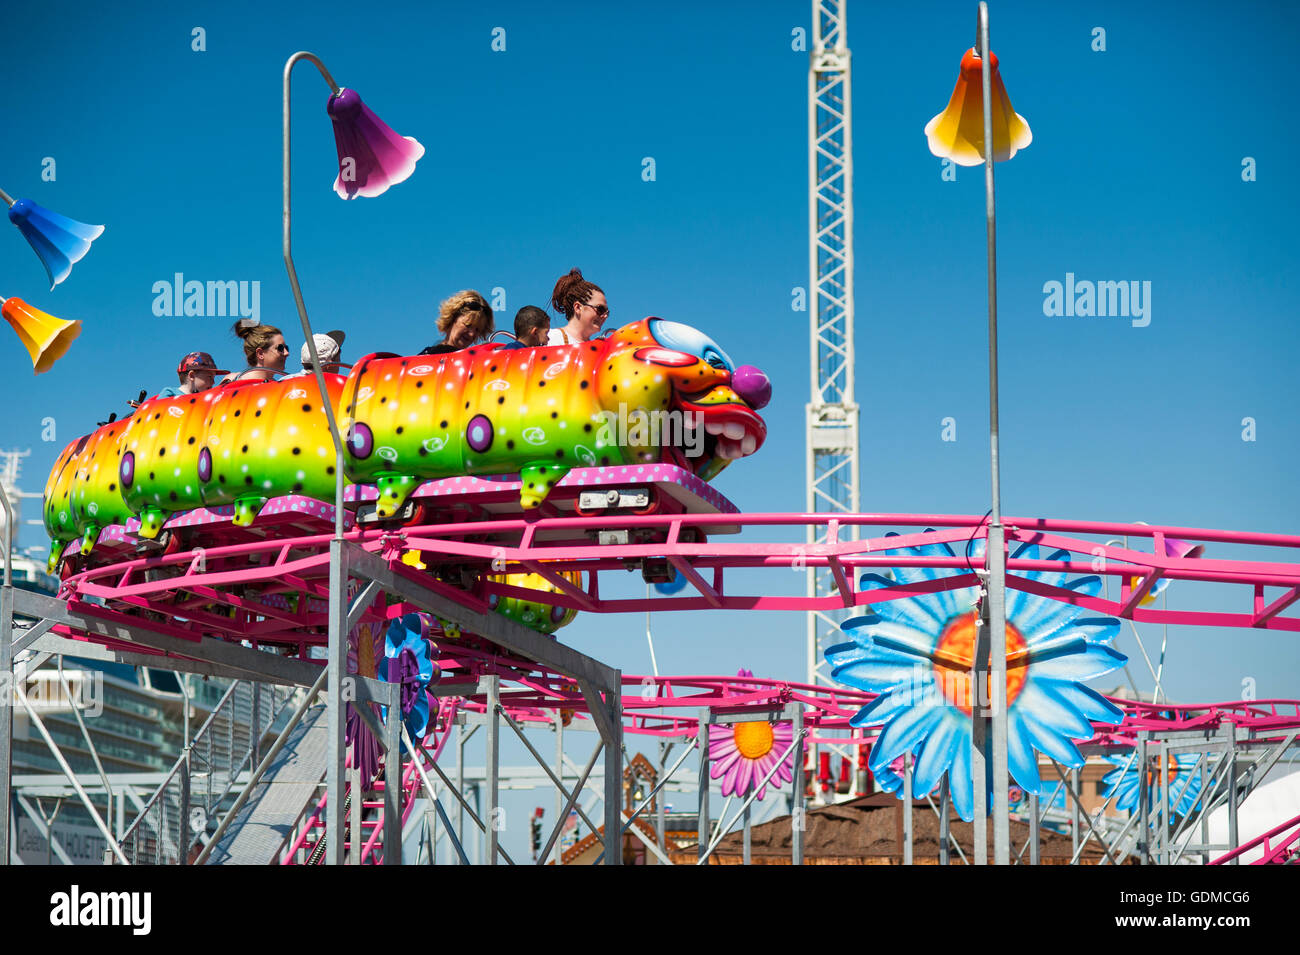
534, 165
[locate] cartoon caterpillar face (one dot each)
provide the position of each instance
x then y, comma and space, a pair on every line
654, 390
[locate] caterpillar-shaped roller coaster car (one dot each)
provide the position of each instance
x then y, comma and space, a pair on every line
653, 391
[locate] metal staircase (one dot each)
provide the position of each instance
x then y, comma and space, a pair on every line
258, 828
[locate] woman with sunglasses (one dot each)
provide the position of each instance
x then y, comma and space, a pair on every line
463, 319
265, 350
583, 304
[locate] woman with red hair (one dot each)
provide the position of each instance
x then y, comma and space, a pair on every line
583, 304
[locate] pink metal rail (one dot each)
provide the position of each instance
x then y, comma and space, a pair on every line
223, 590
669, 706
1283, 852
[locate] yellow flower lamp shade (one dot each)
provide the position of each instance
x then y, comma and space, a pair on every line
958, 132
45, 337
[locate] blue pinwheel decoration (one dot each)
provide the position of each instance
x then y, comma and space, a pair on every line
1183, 778
408, 660
916, 653
59, 241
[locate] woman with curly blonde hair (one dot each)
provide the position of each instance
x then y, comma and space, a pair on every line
464, 319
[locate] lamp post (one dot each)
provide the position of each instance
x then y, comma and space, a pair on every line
966, 133
60, 243
297, 289
995, 552
371, 158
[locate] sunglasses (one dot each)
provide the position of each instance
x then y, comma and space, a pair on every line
602, 311
472, 307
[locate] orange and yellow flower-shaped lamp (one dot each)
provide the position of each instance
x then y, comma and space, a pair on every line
958, 132
45, 337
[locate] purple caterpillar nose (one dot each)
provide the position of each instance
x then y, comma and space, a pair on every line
752, 385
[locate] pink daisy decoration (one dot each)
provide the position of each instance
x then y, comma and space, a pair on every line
743, 753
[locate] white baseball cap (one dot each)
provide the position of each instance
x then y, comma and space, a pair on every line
328, 347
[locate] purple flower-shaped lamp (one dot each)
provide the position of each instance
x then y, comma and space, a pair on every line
371, 156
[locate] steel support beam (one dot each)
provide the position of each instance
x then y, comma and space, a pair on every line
335, 713
6, 703
832, 427
492, 626
493, 765
702, 741
393, 777
252, 664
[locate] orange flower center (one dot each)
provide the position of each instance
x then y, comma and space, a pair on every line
754, 740
1153, 769
955, 654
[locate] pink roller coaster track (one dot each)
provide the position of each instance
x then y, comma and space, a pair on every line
242, 591
211, 590
275, 590
1283, 851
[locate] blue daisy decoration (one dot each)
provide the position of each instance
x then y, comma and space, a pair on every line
408, 660
916, 653
1183, 777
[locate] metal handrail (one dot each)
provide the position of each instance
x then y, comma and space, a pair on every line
181, 761
225, 710
9, 542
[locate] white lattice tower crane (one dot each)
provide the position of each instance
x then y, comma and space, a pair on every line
832, 438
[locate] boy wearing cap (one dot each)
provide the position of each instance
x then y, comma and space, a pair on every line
197, 372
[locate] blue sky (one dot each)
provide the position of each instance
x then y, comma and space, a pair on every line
533, 165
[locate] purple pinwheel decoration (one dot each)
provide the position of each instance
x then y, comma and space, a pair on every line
371, 156
408, 660
59, 241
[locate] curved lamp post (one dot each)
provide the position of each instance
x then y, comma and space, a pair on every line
371, 158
